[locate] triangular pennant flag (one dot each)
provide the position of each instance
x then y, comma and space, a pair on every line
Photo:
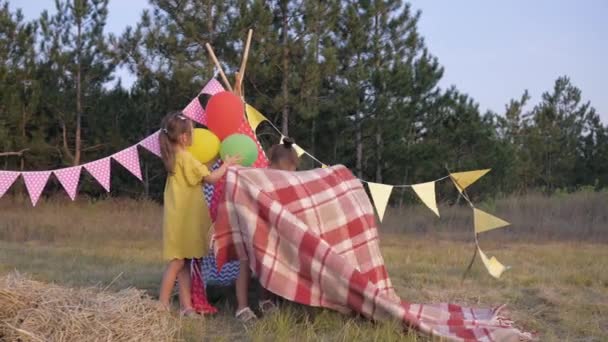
426, 192
212, 87
195, 111
34, 183
494, 267
323, 166
69, 179
254, 117
151, 143
7, 178
485, 221
100, 170
300, 151
463, 179
380, 195
130, 160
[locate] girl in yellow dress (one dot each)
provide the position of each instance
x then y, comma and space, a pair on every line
186, 219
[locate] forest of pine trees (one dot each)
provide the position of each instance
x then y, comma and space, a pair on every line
351, 80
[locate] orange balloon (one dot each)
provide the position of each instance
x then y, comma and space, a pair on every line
225, 113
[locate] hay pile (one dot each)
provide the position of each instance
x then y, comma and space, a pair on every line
35, 311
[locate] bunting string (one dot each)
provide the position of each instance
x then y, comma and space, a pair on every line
128, 158
380, 194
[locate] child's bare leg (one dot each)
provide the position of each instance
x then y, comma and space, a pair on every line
242, 286
168, 281
184, 285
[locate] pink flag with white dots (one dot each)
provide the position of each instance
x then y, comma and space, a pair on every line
69, 178
195, 111
213, 87
100, 170
129, 158
151, 143
7, 178
35, 182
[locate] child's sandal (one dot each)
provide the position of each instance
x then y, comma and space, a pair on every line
190, 313
246, 315
267, 306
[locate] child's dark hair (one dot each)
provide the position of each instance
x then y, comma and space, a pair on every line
173, 126
284, 151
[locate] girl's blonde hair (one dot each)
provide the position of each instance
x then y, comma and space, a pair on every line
173, 126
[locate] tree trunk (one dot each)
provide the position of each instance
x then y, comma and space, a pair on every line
78, 142
23, 136
285, 81
359, 145
379, 147
210, 32
313, 139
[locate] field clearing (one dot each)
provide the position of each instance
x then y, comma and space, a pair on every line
558, 285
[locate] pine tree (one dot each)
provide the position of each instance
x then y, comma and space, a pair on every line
74, 52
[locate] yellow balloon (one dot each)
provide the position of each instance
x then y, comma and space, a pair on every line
205, 145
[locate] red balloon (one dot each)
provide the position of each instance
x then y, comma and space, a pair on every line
225, 113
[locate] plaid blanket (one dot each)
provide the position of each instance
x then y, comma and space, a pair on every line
311, 238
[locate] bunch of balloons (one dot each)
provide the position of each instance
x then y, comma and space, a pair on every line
224, 116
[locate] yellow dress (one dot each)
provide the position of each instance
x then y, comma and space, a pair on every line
186, 220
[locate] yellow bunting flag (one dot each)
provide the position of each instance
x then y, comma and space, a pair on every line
299, 150
323, 166
254, 117
494, 267
485, 221
463, 179
380, 195
426, 192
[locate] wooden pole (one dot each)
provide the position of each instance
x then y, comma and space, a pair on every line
241, 74
219, 66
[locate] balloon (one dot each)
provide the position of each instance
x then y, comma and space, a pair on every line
225, 113
205, 145
241, 145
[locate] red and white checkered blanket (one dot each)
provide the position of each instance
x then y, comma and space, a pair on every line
311, 237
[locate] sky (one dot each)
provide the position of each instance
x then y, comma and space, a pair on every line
491, 50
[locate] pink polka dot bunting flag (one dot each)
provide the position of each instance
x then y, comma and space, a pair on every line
100, 170
130, 160
212, 87
195, 111
69, 178
34, 183
7, 178
151, 143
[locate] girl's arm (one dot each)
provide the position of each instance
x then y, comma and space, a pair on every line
221, 171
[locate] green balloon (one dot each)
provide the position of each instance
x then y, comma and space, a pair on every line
240, 145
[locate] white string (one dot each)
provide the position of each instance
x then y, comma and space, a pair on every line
362, 180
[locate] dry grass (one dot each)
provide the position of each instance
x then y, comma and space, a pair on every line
35, 311
558, 287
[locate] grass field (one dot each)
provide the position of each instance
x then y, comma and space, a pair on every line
558, 285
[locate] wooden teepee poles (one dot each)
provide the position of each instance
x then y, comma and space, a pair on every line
238, 84
219, 66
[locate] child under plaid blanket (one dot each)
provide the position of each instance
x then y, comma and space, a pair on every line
311, 237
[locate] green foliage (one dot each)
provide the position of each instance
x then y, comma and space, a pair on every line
351, 80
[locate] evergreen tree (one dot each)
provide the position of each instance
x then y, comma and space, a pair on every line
75, 54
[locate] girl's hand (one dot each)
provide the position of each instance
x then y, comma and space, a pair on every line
233, 160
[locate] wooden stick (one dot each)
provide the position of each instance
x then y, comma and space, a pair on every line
218, 65
241, 74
